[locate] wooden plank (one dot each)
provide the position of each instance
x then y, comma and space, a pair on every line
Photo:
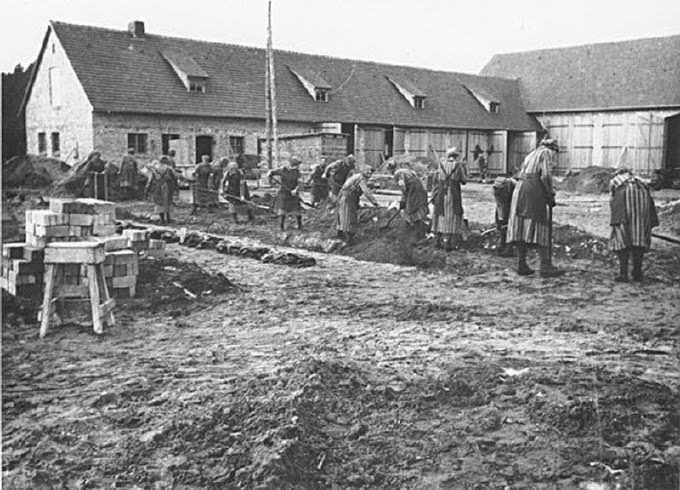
47, 299
107, 307
73, 291
104, 289
94, 299
75, 253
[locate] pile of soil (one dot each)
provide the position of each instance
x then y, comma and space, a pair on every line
32, 171
589, 180
669, 218
178, 286
73, 183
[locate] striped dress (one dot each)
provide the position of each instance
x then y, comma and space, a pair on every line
348, 201
537, 166
448, 219
633, 213
413, 194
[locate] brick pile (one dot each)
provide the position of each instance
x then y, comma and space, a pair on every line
73, 220
22, 269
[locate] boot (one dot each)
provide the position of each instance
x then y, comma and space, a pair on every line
162, 216
235, 216
448, 246
504, 250
283, 223
522, 267
638, 253
339, 235
547, 269
623, 266
299, 222
167, 218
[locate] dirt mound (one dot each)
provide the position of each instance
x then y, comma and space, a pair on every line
669, 218
72, 184
589, 180
179, 286
32, 171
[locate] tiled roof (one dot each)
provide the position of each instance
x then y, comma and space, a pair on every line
185, 63
121, 74
643, 73
406, 84
312, 77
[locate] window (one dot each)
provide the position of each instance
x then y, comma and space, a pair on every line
165, 142
419, 102
321, 95
236, 143
55, 144
196, 84
137, 141
493, 107
42, 143
55, 87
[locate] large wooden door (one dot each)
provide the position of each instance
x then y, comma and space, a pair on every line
519, 146
373, 145
672, 139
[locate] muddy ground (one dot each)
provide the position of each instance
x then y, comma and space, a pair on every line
360, 372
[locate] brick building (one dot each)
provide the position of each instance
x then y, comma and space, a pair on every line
95, 88
604, 102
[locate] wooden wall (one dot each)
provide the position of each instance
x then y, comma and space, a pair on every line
599, 138
507, 149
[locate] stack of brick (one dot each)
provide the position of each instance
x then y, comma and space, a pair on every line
139, 240
156, 249
22, 269
72, 220
121, 267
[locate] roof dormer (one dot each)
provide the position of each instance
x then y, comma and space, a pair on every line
488, 101
194, 78
411, 93
313, 83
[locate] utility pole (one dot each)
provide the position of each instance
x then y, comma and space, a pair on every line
271, 126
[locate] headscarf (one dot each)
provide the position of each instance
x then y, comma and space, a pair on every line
366, 170
232, 167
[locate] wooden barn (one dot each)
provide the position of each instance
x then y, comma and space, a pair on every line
95, 88
605, 103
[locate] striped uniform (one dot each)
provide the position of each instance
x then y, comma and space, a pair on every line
448, 221
537, 165
413, 194
632, 202
348, 201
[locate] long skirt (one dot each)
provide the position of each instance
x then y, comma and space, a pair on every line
203, 196
527, 230
287, 204
637, 231
162, 198
346, 217
448, 223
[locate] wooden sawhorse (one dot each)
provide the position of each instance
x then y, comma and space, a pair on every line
89, 254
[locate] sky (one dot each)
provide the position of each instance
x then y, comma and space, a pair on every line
446, 35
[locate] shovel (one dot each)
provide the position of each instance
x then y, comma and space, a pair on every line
299, 198
387, 225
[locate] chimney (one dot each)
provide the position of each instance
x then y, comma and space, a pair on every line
136, 29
